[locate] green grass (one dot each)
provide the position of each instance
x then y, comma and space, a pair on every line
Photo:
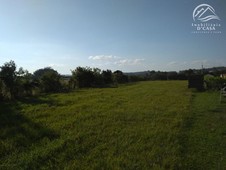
206, 133
147, 125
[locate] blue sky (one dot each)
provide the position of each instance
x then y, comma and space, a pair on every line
129, 35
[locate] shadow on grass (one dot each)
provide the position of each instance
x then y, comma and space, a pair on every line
38, 100
17, 132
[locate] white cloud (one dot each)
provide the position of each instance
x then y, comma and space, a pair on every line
130, 62
103, 57
114, 61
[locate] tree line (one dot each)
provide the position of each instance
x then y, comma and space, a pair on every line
15, 83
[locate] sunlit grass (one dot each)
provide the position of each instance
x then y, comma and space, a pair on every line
148, 125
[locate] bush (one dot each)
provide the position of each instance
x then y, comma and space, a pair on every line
214, 83
196, 81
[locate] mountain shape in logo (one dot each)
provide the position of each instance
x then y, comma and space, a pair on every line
204, 13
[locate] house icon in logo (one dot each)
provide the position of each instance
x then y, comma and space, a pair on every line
204, 13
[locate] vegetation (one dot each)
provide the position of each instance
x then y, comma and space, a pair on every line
146, 125
88, 77
15, 83
204, 133
214, 83
8, 75
48, 80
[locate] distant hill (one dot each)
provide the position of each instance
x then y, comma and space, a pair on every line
210, 70
141, 73
205, 70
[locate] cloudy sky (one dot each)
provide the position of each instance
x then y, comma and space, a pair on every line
129, 35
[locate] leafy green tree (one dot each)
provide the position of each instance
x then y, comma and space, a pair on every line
98, 78
14, 83
119, 77
24, 83
8, 77
83, 77
107, 77
48, 80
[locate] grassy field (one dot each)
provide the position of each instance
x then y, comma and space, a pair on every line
147, 125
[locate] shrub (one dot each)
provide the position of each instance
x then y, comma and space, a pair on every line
214, 83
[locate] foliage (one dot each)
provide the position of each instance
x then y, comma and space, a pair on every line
16, 84
48, 80
98, 80
8, 76
83, 77
94, 77
172, 75
107, 77
119, 77
2, 93
214, 83
196, 81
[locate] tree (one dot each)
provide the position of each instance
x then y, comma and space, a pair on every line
14, 83
24, 82
83, 77
107, 77
119, 77
47, 79
8, 76
2, 89
98, 78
